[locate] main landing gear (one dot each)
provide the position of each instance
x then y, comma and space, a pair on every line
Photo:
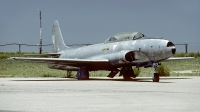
82, 74
127, 73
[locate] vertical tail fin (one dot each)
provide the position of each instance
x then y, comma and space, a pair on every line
57, 39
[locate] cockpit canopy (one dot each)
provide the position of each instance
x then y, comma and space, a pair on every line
123, 36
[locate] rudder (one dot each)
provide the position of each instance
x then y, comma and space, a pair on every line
57, 39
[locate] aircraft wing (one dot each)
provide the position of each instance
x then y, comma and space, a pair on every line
44, 55
178, 58
62, 61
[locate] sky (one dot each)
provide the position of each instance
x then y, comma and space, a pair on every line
93, 21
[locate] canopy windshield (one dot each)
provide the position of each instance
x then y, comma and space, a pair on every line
123, 36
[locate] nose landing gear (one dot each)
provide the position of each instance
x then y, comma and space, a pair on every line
155, 75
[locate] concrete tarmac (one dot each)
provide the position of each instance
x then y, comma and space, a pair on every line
171, 94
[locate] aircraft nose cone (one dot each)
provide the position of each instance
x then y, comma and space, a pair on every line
172, 46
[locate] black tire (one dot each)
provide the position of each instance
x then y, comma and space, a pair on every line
87, 75
156, 77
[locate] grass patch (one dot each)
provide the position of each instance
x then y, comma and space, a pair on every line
27, 69
191, 54
163, 70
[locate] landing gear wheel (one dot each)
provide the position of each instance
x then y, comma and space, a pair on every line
82, 74
126, 77
87, 75
127, 73
156, 77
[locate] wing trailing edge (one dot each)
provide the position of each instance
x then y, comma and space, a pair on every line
44, 55
62, 61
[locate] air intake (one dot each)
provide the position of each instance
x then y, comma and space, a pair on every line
170, 44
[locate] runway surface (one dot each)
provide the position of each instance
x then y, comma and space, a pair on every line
172, 94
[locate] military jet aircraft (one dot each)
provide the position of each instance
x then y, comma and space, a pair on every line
117, 54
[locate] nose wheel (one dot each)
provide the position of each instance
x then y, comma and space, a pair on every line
155, 75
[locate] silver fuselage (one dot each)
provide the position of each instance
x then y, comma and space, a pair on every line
123, 53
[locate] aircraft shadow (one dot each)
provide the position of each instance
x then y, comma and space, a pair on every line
103, 79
